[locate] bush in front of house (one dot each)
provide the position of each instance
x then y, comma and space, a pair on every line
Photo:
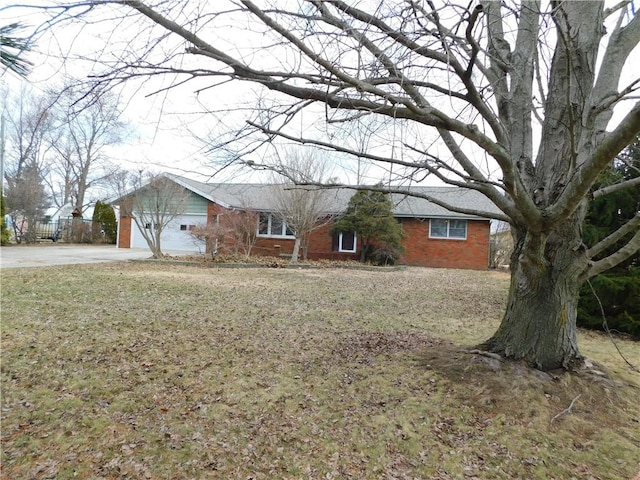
212, 235
370, 215
383, 255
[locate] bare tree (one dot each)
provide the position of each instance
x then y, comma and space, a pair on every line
121, 181
85, 124
512, 99
29, 120
27, 200
157, 201
303, 208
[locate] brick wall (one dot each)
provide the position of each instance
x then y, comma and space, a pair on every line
124, 232
472, 253
420, 250
319, 246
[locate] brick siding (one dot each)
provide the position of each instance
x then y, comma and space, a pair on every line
472, 253
124, 232
319, 246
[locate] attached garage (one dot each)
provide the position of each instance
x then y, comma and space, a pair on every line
176, 236
162, 201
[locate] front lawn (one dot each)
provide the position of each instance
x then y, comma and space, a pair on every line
157, 371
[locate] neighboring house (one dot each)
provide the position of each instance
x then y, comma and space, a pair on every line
434, 236
55, 214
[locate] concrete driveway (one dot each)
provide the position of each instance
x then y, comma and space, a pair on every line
21, 256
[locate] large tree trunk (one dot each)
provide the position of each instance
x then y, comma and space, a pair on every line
539, 325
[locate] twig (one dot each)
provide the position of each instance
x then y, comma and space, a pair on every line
566, 410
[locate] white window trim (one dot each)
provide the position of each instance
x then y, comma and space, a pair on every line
448, 237
270, 235
355, 244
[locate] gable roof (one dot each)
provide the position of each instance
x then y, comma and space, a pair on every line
260, 197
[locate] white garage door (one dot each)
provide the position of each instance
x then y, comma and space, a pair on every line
175, 236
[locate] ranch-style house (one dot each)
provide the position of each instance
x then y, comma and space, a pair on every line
434, 236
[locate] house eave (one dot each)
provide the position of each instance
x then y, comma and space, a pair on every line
197, 191
453, 215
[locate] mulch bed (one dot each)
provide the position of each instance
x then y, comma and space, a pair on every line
230, 261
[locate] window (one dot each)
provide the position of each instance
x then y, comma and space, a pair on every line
271, 225
344, 242
445, 228
183, 228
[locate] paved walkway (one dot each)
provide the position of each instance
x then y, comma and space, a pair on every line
21, 256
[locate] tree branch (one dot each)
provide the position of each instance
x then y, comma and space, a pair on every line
500, 58
475, 48
506, 206
629, 249
387, 104
621, 43
496, 198
601, 192
616, 7
588, 172
613, 238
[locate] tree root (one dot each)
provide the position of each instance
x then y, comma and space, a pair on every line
484, 353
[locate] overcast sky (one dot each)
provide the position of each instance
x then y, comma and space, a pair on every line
163, 127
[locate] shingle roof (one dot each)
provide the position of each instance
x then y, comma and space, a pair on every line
260, 197
410, 206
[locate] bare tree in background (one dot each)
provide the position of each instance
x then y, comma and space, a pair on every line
29, 121
157, 201
501, 246
300, 202
465, 87
27, 201
84, 125
121, 181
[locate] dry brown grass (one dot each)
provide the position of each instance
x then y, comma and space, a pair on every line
164, 371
